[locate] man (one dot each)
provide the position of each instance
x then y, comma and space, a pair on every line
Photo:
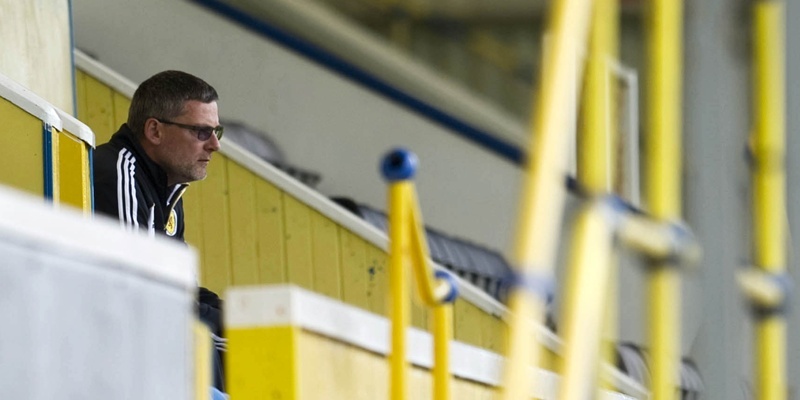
142, 172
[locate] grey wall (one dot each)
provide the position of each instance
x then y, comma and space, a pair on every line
718, 188
793, 177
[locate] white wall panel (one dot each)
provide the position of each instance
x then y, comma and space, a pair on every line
36, 49
88, 311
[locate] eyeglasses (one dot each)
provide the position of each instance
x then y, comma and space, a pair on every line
203, 132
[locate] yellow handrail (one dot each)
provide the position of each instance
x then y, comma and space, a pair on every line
663, 172
542, 201
590, 270
598, 137
437, 290
769, 189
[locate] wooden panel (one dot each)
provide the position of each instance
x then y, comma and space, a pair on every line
463, 390
270, 234
99, 109
493, 332
216, 273
374, 373
328, 369
467, 323
316, 361
121, 106
341, 371
298, 242
420, 384
377, 280
338, 371
72, 168
193, 222
483, 392
380, 373
21, 146
419, 312
550, 360
80, 91
244, 252
325, 256
354, 269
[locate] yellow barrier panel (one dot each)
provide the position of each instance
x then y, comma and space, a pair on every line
769, 193
28, 121
71, 170
664, 186
542, 202
407, 244
266, 363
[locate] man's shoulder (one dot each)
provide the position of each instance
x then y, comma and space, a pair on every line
119, 149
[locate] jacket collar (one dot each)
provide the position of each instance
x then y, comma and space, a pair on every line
155, 174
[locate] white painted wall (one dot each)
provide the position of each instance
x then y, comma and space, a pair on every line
90, 311
35, 48
322, 121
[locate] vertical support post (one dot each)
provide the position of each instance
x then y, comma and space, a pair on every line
665, 37
398, 286
598, 136
47, 161
769, 187
442, 334
590, 269
542, 201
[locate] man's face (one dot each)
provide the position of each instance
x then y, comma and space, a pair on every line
182, 155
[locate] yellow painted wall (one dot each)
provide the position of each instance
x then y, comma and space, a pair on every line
71, 169
36, 50
100, 107
21, 162
293, 364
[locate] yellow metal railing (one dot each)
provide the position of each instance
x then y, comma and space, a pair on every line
663, 195
437, 290
598, 137
767, 285
666, 243
603, 224
543, 195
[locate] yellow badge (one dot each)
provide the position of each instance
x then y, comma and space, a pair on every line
172, 223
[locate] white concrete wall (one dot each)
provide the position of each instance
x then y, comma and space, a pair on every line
35, 48
322, 121
90, 311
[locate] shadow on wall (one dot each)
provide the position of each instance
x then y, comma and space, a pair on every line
261, 145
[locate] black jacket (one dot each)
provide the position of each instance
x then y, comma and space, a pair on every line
131, 187
128, 185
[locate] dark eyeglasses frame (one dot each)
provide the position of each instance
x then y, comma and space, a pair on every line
203, 132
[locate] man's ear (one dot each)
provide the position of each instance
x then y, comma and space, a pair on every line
152, 131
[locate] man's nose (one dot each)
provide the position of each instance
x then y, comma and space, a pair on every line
212, 144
